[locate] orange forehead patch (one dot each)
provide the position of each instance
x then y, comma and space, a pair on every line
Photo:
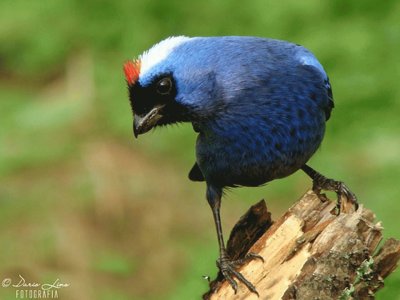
132, 71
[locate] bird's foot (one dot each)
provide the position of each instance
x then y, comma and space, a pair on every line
228, 269
322, 183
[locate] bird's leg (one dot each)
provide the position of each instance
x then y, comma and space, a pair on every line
227, 266
320, 182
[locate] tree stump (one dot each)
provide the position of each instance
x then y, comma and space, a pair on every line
311, 252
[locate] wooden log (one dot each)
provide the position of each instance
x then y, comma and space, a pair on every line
311, 252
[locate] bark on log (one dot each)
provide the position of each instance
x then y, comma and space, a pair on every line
310, 253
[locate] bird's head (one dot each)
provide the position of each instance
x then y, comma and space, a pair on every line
167, 84
152, 104
152, 87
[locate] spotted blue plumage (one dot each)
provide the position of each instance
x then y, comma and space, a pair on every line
259, 105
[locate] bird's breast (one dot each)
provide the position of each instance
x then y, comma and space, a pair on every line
254, 151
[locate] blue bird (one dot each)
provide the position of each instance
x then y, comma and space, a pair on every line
259, 107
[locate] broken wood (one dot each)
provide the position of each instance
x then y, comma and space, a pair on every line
310, 253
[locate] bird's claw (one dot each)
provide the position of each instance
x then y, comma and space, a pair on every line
343, 191
228, 270
339, 187
249, 257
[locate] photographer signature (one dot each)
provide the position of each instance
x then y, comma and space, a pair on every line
57, 284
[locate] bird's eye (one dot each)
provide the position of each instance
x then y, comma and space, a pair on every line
164, 86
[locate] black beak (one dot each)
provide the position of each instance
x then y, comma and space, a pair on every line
143, 123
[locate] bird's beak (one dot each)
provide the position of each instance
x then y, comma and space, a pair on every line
143, 123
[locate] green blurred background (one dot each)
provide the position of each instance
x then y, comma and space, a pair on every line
117, 218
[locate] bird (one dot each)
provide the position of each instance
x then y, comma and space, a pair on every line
259, 107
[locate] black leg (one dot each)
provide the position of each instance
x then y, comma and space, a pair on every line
225, 264
320, 182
